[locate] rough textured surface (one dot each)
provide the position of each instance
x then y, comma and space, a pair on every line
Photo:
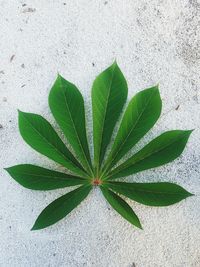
153, 41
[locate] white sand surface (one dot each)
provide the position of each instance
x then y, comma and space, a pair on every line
153, 42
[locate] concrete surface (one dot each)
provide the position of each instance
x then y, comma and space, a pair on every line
153, 41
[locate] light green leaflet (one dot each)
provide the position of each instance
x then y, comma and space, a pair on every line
109, 94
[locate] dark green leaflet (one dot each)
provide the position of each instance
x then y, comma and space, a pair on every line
151, 194
141, 114
38, 178
121, 206
163, 149
60, 207
109, 93
67, 106
40, 135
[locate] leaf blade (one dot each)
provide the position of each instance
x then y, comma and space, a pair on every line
151, 194
38, 178
121, 206
141, 114
109, 93
40, 135
161, 150
67, 106
61, 207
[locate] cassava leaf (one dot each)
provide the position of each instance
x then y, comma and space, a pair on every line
121, 206
40, 135
163, 149
38, 178
109, 93
60, 207
67, 105
151, 194
141, 114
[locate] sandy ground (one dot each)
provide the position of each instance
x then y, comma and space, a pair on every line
153, 42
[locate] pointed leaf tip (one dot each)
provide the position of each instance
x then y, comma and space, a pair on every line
34, 228
19, 111
115, 63
190, 131
59, 76
6, 169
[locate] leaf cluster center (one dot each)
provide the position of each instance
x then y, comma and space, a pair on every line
97, 181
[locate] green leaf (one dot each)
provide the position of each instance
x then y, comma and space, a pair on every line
121, 207
141, 114
40, 135
38, 178
62, 206
163, 149
151, 194
109, 93
67, 106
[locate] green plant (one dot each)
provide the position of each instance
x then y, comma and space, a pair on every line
109, 94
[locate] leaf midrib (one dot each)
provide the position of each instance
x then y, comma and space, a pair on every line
47, 176
149, 191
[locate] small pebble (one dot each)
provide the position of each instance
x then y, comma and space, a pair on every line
11, 58
29, 10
